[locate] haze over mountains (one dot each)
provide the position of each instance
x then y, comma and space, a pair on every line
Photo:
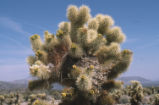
19, 84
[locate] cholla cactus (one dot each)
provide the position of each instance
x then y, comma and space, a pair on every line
136, 93
1, 99
124, 99
84, 54
17, 100
153, 90
9, 101
156, 99
105, 99
117, 94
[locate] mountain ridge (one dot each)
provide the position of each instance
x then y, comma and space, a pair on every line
130, 78
23, 83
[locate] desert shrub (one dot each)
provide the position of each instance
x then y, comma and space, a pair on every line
124, 99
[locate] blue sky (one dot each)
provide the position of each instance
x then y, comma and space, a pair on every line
20, 19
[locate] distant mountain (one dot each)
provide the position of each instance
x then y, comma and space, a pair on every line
143, 81
22, 84
150, 84
22, 81
14, 85
11, 86
130, 78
